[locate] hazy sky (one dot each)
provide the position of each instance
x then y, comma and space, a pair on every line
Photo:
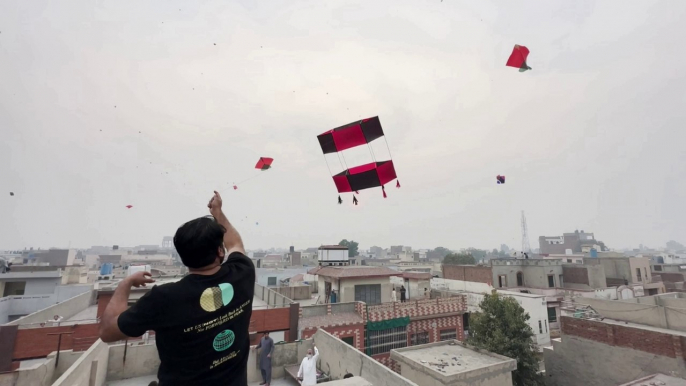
592, 138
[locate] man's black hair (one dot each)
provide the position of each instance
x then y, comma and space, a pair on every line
197, 241
348, 375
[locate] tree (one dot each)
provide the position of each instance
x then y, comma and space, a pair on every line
501, 327
438, 253
459, 258
675, 246
352, 247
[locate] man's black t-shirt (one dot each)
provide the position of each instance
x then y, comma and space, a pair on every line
201, 325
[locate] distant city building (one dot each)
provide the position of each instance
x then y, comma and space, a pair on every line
576, 242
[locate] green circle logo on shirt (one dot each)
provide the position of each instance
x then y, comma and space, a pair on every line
223, 340
214, 298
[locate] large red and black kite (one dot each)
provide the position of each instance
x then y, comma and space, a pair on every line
518, 58
371, 175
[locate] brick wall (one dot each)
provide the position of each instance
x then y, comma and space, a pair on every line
578, 275
446, 323
418, 308
468, 273
671, 277
36, 343
653, 342
274, 319
355, 331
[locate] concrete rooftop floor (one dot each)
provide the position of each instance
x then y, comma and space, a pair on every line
458, 358
144, 381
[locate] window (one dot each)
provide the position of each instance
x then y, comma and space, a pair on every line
551, 281
638, 273
561, 281
552, 315
448, 334
520, 279
370, 294
271, 280
14, 288
569, 260
419, 338
349, 340
657, 268
383, 341
540, 327
645, 273
546, 325
502, 281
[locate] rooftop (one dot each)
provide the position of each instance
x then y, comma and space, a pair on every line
341, 247
357, 271
451, 360
655, 380
417, 275
329, 320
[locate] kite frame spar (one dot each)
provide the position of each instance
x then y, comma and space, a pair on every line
371, 175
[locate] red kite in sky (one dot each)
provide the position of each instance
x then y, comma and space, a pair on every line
518, 58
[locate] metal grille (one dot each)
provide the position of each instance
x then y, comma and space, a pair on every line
448, 334
383, 341
419, 338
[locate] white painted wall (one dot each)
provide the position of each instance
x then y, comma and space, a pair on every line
537, 308
332, 255
460, 285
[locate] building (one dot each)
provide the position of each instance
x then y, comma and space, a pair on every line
611, 342
333, 255
371, 285
573, 242
414, 282
542, 318
453, 363
55, 257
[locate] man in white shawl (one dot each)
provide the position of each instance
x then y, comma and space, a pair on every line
308, 368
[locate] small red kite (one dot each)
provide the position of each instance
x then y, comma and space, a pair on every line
129, 206
518, 58
264, 163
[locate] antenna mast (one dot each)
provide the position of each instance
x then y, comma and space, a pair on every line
525, 235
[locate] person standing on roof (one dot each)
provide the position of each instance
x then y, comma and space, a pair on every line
308, 368
267, 346
200, 322
402, 294
394, 298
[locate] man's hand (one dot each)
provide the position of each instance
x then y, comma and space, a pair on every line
269, 355
215, 204
139, 279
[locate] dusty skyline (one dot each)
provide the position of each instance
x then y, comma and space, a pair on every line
591, 138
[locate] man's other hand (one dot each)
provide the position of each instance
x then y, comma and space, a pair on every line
140, 279
215, 204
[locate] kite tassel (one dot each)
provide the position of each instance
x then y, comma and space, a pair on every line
397, 184
340, 201
354, 200
383, 189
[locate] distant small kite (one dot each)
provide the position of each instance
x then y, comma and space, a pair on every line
11, 193
500, 179
129, 206
235, 187
518, 58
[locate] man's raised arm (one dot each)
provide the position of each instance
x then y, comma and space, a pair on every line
232, 240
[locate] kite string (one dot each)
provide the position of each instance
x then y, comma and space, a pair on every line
248, 179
